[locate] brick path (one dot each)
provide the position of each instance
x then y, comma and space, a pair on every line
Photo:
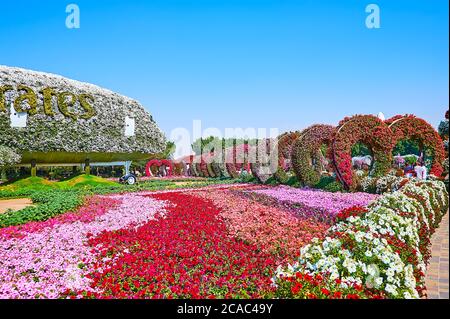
436, 279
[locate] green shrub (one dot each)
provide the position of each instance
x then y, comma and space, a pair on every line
324, 181
293, 181
247, 178
334, 187
329, 184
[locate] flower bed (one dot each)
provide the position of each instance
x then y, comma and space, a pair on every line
188, 253
42, 260
273, 229
316, 203
225, 241
381, 252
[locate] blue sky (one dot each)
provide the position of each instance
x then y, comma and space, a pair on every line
246, 63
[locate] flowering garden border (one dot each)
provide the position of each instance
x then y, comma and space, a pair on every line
378, 252
380, 136
410, 127
369, 130
304, 148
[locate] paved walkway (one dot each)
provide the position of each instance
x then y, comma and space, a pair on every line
14, 204
436, 279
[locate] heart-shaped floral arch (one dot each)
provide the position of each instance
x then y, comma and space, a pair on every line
158, 163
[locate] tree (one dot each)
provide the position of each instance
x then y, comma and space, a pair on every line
407, 147
209, 143
443, 130
170, 149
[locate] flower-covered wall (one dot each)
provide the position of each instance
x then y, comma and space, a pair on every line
42, 112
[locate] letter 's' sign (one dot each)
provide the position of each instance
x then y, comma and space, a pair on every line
27, 101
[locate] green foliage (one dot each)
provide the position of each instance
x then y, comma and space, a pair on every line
272, 181
334, 187
360, 149
170, 149
247, 178
324, 181
200, 143
443, 129
210, 143
410, 160
406, 147
38, 183
281, 176
330, 184
83, 181
293, 181
30, 183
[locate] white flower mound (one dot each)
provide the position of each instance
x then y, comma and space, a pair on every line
8, 156
105, 132
373, 261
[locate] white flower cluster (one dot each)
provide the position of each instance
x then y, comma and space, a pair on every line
358, 249
104, 132
384, 184
8, 156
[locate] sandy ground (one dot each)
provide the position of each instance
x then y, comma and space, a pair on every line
14, 204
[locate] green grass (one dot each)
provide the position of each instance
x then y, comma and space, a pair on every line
35, 183
85, 180
38, 183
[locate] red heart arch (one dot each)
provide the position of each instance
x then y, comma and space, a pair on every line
158, 163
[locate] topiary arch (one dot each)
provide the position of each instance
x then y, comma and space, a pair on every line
371, 131
204, 166
285, 143
264, 168
193, 166
158, 163
410, 127
305, 149
236, 157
